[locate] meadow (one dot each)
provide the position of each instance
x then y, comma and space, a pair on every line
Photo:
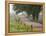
17, 27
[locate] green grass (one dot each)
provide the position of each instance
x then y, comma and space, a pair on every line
15, 27
11, 24
18, 27
22, 27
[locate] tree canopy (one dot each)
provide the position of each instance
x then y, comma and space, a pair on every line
26, 7
30, 9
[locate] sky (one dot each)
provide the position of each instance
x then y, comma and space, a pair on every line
13, 12
11, 9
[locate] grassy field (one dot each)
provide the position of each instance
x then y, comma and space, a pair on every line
18, 27
12, 24
15, 27
22, 27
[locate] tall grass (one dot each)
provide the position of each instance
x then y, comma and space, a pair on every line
18, 27
22, 27
12, 24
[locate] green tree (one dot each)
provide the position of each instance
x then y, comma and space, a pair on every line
30, 9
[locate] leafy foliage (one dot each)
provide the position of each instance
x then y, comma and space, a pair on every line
30, 9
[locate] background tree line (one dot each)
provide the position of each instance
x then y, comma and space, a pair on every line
30, 9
